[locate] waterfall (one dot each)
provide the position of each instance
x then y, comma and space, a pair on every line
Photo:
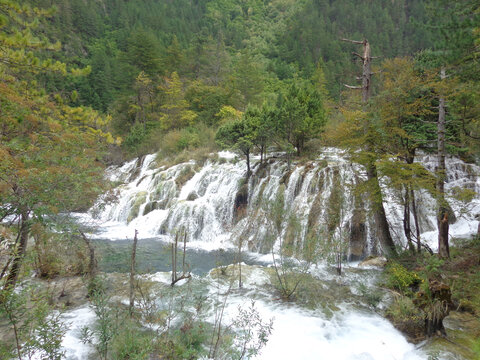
316, 200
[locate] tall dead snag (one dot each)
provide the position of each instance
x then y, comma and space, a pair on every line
92, 263
382, 229
132, 272
442, 214
19, 253
185, 275
240, 244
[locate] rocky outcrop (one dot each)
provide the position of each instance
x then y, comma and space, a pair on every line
358, 236
241, 202
374, 261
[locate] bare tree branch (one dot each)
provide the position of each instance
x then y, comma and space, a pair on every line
353, 87
357, 54
352, 41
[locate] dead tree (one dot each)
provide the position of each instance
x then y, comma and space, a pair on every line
92, 263
442, 214
19, 253
367, 69
185, 275
240, 244
382, 229
132, 273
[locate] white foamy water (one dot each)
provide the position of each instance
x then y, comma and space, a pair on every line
201, 200
76, 320
348, 335
298, 333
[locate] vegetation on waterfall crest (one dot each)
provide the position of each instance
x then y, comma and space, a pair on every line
85, 84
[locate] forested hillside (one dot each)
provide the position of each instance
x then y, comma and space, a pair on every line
352, 130
145, 54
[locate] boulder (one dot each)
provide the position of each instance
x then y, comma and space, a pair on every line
192, 196
374, 261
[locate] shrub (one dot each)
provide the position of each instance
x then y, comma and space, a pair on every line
433, 265
407, 317
57, 254
399, 278
372, 296
131, 342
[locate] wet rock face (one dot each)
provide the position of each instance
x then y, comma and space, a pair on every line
214, 202
241, 202
358, 236
192, 196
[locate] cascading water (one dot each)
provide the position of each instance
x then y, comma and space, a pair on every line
216, 206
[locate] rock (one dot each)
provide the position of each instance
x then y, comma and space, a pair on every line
192, 196
358, 236
153, 205
241, 202
374, 261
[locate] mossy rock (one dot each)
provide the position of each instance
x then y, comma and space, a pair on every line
241, 202
153, 205
185, 174
140, 198
192, 196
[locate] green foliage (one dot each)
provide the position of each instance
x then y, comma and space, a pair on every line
132, 342
35, 329
135, 137
143, 53
300, 116
237, 135
224, 52
207, 101
106, 326
404, 310
371, 296
399, 278
476, 349
49, 151
433, 265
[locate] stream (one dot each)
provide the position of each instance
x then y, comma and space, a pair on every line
217, 207
338, 324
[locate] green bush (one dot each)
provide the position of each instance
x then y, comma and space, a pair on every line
135, 137
403, 309
372, 296
433, 265
399, 278
132, 343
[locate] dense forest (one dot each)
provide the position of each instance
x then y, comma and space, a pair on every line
87, 84
160, 66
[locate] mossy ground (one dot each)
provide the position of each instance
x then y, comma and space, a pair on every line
461, 273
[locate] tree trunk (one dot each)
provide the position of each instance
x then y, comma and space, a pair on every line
240, 243
442, 215
406, 220
92, 265
367, 72
12, 277
415, 219
132, 273
382, 229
